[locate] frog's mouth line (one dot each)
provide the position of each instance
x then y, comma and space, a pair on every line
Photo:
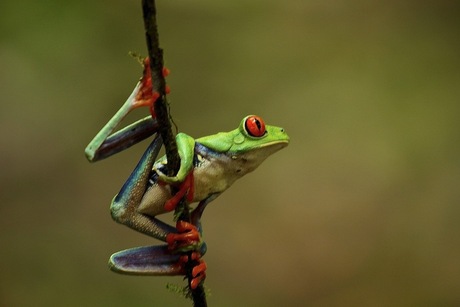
275, 143
281, 144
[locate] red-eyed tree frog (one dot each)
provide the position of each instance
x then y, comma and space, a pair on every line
208, 166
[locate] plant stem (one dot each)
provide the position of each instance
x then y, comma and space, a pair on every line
164, 124
159, 84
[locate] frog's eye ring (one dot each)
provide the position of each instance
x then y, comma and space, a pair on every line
255, 126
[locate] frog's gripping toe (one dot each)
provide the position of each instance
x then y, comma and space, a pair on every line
146, 260
187, 239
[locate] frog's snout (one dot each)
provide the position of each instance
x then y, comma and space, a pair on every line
283, 132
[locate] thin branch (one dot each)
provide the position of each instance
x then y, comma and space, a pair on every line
164, 125
159, 85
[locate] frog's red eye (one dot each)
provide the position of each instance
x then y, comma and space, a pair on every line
255, 126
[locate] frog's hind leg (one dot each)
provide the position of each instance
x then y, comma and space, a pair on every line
125, 204
146, 260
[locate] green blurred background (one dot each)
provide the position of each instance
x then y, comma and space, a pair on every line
362, 209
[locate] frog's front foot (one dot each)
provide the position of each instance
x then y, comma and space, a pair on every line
144, 94
185, 188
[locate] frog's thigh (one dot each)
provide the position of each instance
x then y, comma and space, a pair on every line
154, 199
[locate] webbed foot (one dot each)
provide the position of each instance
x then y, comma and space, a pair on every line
187, 239
198, 271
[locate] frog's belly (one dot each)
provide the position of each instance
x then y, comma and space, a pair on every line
207, 182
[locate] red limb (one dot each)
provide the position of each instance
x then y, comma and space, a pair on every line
185, 188
199, 274
198, 271
187, 235
146, 97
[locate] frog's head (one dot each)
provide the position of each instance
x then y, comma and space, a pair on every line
253, 142
249, 144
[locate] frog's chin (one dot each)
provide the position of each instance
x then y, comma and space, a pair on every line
251, 159
279, 144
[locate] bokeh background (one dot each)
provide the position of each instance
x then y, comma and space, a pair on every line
362, 209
